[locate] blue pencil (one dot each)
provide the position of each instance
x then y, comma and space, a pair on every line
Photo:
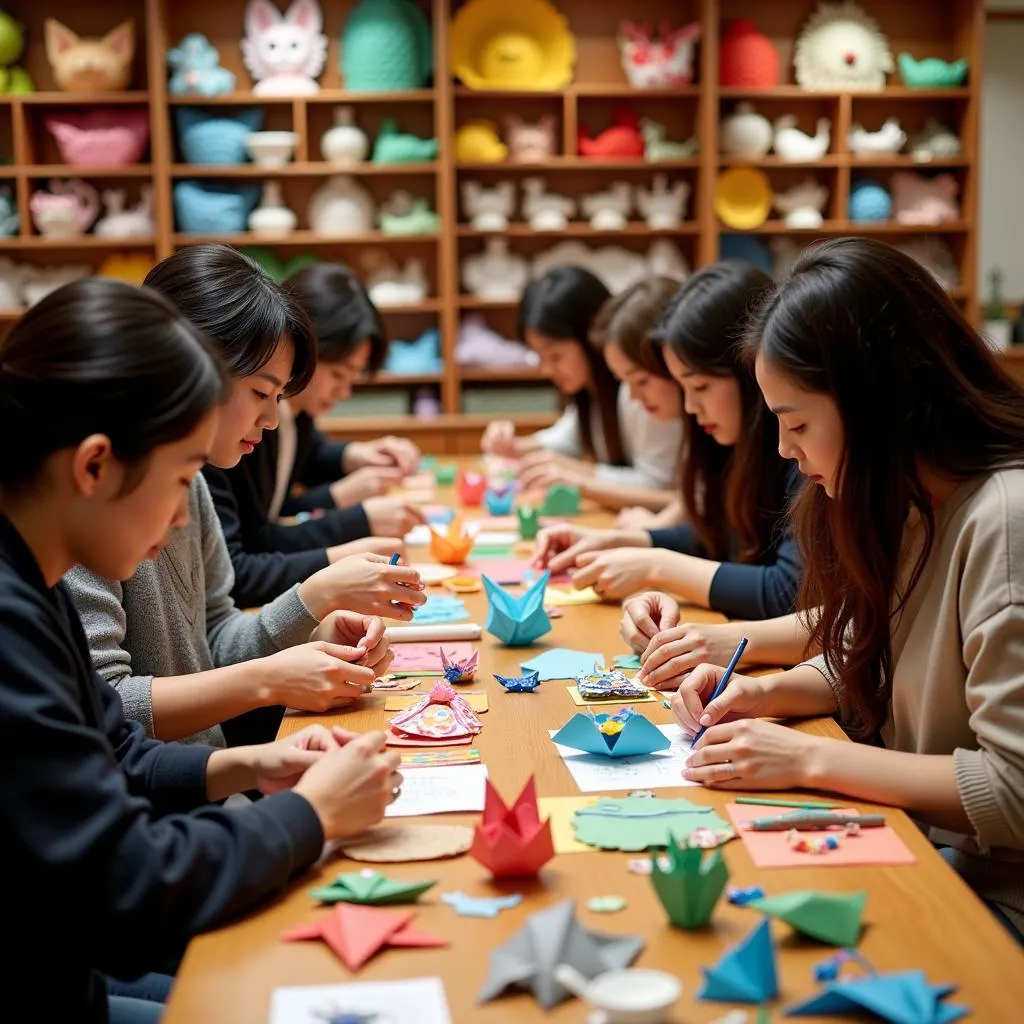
394, 558
724, 681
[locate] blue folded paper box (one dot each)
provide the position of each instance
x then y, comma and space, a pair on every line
635, 735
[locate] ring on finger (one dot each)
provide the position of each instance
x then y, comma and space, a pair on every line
396, 793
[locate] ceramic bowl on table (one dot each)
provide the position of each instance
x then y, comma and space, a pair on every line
271, 149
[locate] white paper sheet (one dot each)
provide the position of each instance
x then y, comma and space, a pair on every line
417, 999
663, 769
496, 538
440, 790
419, 534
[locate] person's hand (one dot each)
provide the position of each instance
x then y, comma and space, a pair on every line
559, 547
674, 652
350, 788
384, 451
367, 546
390, 517
635, 517
499, 438
367, 584
645, 616
553, 540
617, 573
363, 484
744, 697
540, 469
316, 676
279, 765
362, 632
752, 754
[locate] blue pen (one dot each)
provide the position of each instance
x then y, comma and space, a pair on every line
394, 558
723, 682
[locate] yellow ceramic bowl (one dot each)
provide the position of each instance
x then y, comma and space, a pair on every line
743, 198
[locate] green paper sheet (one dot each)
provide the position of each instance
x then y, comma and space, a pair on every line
627, 661
641, 822
832, 917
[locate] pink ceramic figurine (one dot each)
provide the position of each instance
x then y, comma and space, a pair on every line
67, 210
101, 138
926, 201
285, 54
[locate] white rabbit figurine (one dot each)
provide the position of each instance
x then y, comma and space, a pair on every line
545, 211
609, 210
118, 222
663, 207
488, 209
284, 53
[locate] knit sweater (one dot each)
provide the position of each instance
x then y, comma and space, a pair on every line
958, 676
175, 616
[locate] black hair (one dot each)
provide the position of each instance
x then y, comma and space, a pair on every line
563, 304
341, 311
229, 296
99, 356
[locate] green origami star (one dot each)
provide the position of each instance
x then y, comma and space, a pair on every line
371, 888
691, 885
641, 822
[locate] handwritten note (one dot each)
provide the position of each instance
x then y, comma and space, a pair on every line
418, 999
440, 791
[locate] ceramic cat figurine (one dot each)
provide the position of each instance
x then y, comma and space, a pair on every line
90, 64
284, 53
119, 222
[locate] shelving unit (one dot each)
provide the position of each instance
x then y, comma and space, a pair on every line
945, 28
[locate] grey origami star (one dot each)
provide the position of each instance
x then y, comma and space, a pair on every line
547, 939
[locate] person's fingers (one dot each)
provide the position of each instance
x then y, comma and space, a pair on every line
343, 652
686, 709
667, 677
668, 644
315, 737
369, 742
343, 736
566, 559
668, 613
402, 574
398, 612
587, 576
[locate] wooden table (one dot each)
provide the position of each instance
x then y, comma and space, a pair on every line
919, 916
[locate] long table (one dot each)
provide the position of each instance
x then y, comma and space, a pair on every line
919, 916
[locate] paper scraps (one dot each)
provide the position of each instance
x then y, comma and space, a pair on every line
440, 608
606, 904
480, 906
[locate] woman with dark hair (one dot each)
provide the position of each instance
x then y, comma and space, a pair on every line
170, 639
605, 442
912, 530
115, 400
268, 557
735, 554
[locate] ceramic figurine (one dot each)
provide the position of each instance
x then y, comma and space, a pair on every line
663, 207
609, 210
841, 47
211, 208
801, 205
346, 144
113, 137
924, 201
934, 141
395, 147
745, 133
890, 138
427, 404
386, 46
271, 150
665, 260
622, 139
38, 282
284, 53
14, 79
793, 144
617, 267
130, 267
420, 355
495, 273
478, 142
10, 222
869, 201
658, 148
118, 222
272, 219
402, 214
936, 257
210, 136
341, 207
543, 210
932, 72
747, 59
530, 142
479, 345
195, 68
389, 285
67, 210
81, 64
488, 209
653, 62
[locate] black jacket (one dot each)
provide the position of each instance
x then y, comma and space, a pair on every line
112, 859
267, 557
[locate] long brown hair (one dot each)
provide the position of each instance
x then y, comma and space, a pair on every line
916, 388
741, 489
562, 305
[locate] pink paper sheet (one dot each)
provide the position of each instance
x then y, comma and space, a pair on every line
507, 571
771, 849
426, 657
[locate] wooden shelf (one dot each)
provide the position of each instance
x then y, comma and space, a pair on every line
472, 302
310, 169
7, 172
75, 171
323, 96
400, 380
795, 92
598, 90
578, 163
770, 162
847, 227
581, 229
75, 99
427, 306
504, 374
79, 242
306, 238
901, 160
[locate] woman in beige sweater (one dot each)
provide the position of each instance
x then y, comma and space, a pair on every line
912, 528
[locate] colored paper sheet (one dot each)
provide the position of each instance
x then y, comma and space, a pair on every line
440, 608
440, 791
418, 999
771, 849
557, 598
440, 758
627, 661
401, 701
560, 810
563, 663
581, 701
507, 572
426, 657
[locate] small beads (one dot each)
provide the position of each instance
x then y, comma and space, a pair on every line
814, 844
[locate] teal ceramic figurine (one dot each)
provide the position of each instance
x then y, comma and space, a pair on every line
386, 46
932, 72
195, 68
10, 221
395, 147
404, 215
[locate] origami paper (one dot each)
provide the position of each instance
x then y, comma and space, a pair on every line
647, 697
440, 758
903, 997
480, 906
445, 473
627, 661
525, 683
439, 609
470, 488
459, 670
560, 812
832, 917
548, 938
635, 735
691, 885
563, 663
442, 716
453, 546
609, 686
512, 841
745, 973
606, 904
506, 571
395, 844
517, 621
529, 521
371, 888
642, 822
355, 933
499, 501
400, 701
561, 500
559, 598
426, 658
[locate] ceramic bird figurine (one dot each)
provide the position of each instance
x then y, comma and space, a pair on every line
793, 144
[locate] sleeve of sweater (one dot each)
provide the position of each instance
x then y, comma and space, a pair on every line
651, 448
311, 499
335, 526
563, 436
680, 537
325, 462
90, 845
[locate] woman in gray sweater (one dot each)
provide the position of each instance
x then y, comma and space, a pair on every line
170, 638
913, 537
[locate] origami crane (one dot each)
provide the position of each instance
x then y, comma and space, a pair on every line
442, 716
529, 522
830, 917
453, 547
512, 840
623, 734
354, 934
746, 973
459, 671
517, 621
691, 885
470, 488
548, 938
371, 888
499, 500
525, 683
